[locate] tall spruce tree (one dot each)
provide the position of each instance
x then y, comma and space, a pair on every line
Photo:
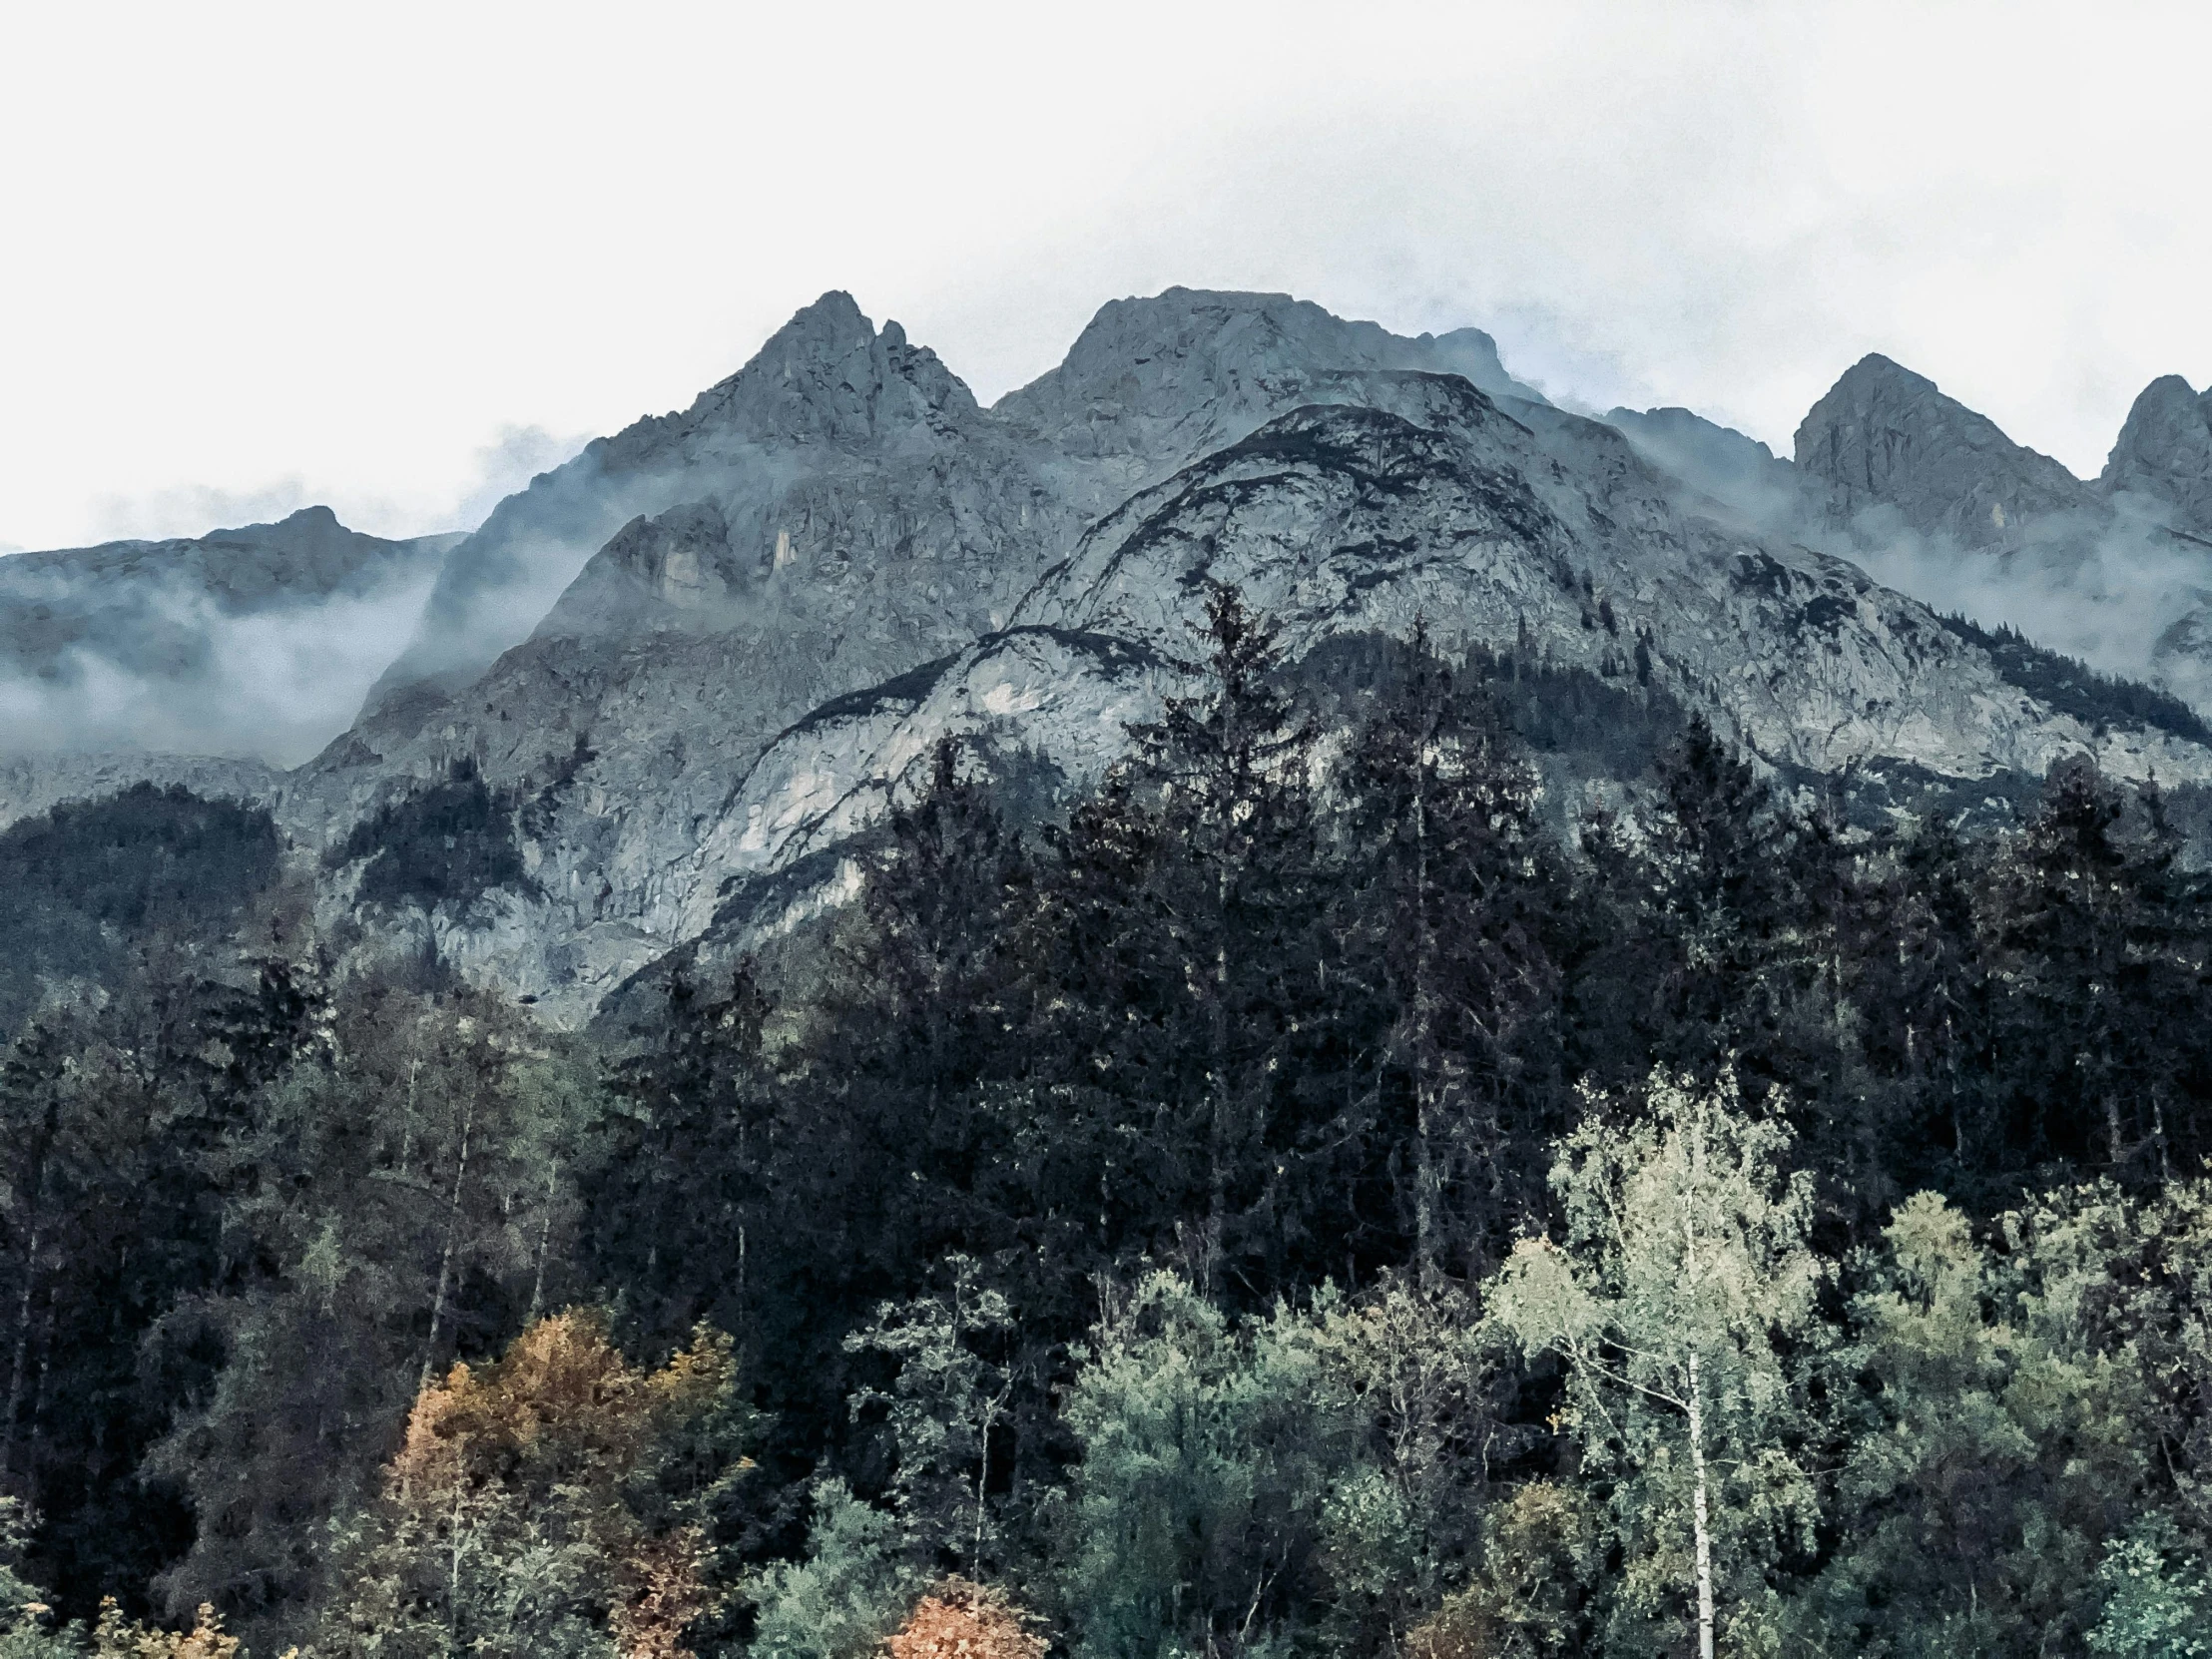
1456, 882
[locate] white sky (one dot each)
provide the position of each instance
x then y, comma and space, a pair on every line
389, 256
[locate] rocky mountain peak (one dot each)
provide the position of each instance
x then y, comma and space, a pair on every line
1885, 436
2165, 452
1174, 374
827, 375
826, 383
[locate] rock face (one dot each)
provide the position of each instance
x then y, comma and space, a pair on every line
1443, 507
838, 512
678, 676
1886, 437
2165, 454
1933, 497
258, 641
825, 397
829, 405
693, 763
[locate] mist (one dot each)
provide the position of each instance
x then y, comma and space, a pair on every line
501, 467
2119, 595
275, 686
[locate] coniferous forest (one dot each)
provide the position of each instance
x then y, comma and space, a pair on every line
1324, 1193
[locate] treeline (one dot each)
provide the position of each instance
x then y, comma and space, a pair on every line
1295, 1203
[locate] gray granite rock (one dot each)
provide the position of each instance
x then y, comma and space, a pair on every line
1521, 531
700, 659
1884, 436
2164, 455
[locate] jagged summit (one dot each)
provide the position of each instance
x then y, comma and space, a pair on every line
1150, 384
1886, 436
653, 654
2164, 452
827, 374
1180, 370
828, 379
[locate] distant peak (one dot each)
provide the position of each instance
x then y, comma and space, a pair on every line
2164, 451
1875, 368
317, 520
835, 303
1884, 435
837, 315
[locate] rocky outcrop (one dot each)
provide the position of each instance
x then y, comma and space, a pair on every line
2163, 457
1884, 436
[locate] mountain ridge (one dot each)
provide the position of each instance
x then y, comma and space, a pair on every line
719, 645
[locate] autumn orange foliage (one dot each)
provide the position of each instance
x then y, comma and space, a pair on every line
116, 1637
963, 1621
562, 1421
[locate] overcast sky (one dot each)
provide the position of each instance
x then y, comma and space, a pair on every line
394, 257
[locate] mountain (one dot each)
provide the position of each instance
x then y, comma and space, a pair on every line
252, 642
1935, 500
835, 514
659, 697
829, 411
2164, 455
738, 683
1884, 436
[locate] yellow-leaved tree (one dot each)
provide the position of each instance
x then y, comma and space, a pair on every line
547, 1504
1683, 1303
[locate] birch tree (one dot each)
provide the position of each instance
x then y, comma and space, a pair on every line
1682, 1304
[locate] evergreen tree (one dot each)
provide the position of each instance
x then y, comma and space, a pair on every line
2104, 1027
1455, 889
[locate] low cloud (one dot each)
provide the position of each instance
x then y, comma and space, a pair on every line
507, 463
275, 686
2115, 593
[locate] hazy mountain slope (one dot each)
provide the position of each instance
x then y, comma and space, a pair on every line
1153, 382
732, 636
258, 641
1934, 501
1720, 463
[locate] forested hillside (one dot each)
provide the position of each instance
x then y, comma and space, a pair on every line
1324, 1193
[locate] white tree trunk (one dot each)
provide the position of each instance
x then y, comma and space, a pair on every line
445, 1257
1700, 1519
